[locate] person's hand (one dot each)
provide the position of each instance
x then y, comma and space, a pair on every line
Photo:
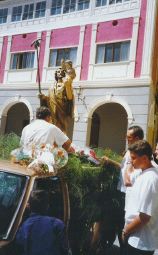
105, 160
124, 235
71, 150
40, 95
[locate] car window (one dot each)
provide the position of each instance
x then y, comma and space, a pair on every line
12, 187
53, 186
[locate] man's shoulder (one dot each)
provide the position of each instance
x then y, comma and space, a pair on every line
32, 123
55, 129
149, 177
56, 220
154, 174
53, 221
27, 127
52, 127
153, 171
43, 124
36, 217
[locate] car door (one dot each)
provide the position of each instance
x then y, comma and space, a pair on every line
12, 191
58, 196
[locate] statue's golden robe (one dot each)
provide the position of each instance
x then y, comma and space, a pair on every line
60, 101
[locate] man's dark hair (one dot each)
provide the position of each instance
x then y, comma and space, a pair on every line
42, 112
39, 201
137, 131
141, 148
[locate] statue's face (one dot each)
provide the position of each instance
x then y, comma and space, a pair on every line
60, 73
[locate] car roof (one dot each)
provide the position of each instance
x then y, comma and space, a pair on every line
8, 166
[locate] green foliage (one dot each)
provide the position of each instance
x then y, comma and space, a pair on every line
93, 197
108, 153
8, 143
93, 193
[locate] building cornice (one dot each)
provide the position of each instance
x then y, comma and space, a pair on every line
141, 82
124, 83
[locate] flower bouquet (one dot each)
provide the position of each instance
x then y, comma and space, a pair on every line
86, 155
41, 159
21, 157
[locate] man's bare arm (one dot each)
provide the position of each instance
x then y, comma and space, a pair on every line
67, 146
128, 171
137, 223
107, 161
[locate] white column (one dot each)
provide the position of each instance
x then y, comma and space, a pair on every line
3, 120
79, 53
92, 52
89, 126
152, 7
9, 13
1, 44
48, 9
80, 133
46, 57
8, 57
133, 48
92, 7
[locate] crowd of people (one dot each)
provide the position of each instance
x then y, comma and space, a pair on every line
138, 186
141, 224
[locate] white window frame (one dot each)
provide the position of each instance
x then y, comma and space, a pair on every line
110, 2
83, 3
17, 14
28, 12
70, 7
56, 60
3, 17
56, 7
20, 60
113, 45
40, 10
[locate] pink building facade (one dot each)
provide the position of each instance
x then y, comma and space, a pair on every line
107, 42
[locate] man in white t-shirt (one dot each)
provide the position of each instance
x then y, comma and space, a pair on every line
141, 223
42, 131
134, 133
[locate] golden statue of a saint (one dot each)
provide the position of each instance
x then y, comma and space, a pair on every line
60, 99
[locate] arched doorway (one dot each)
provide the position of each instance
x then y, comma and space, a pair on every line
110, 127
18, 117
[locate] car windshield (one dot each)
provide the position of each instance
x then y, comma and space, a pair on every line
12, 187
